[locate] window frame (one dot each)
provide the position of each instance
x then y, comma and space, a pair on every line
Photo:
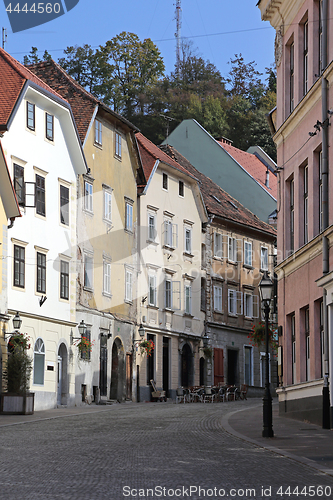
181, 189
321, 212
39, 353
233, 247
305, 57
168, 293
40, 272
152, 289
106, 277
19, 189
218, 236
31, 116
247, 253
88, 196
49, 136
306, 204
20, 262
88, 272
118, 145
152, 228
64, 212
188, 240
262, 268
128, 285
165, 181
98, 133
64, 279
292, 77
129, 216
292, 214
218, 298
107, 206
40, 195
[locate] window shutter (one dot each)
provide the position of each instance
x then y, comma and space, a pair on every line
174, 235
176, 295
255, 305
218, 366
239, 303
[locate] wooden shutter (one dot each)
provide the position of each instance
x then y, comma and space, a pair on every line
218, 366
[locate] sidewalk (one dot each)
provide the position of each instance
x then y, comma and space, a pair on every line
301, 441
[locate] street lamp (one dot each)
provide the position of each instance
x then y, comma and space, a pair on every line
141, 331
17, 322
82, 330
266, 291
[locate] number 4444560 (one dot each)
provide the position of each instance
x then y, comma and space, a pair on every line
36, 8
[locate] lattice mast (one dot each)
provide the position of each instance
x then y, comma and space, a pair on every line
177, 34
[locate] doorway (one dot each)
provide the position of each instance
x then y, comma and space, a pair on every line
62, 380
118, 375
103, 363
166, 376
186, 366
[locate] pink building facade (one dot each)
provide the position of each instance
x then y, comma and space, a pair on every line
303, 136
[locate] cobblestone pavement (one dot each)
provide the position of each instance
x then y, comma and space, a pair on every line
137, 450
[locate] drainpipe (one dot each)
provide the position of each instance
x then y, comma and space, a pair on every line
324, 85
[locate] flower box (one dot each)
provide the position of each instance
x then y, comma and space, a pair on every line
17, 404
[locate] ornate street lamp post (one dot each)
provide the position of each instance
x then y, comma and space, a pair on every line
266, 290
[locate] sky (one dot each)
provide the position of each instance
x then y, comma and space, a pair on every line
219, 29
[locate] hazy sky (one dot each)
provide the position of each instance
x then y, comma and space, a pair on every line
218, 28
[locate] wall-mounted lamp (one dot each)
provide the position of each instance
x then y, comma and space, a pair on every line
17, 322
82, 330
141, 331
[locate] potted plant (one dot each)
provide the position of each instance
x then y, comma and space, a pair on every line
208, 352
258, 336
147, 347
84, 345
18, 399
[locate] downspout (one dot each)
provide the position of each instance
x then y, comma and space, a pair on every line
325, 242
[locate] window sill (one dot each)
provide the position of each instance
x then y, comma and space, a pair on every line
88, 289
106, 294
127, 301
167, 247
128, 231
88, 212
117, 157
216, 257
97, 145
188, 315
247, 266
187, 254
232, 262
217, 311
152, 306
152, 242
248, 318
169, 310
263, 270
108, 223
232, 315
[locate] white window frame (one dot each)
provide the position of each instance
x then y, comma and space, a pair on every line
170, 231
129, 216
49, 137
248, 253
263, 259
218, 294
118, 144
152, 289
98, 132
88, 196
107, 277
188, 240
152, 228
235, 302
188, 299
168, 293
128, 285
88, 271
107, 209
232, 249
64, 279
218, 245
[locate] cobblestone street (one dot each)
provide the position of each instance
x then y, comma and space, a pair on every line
123, 450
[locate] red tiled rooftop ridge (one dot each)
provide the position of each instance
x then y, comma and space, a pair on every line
253, 166
150, 153
13, 76
218, 202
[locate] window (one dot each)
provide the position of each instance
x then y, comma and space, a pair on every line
88, 271
152, 289
41, 272
321, 225
203, 255
181, 189
118, 145
322, 342
203, 294
88, 196
248, 365
232, 249
218, 250
170, 234
107, 206
129, 217
293, 349
232, 302
292, 214
19, 266
306, 205
40, 195
188, 299
291, 77
30, 116
107, 278
168, 293
49, 126
305, 56
248, 305
151, 227
64, 205
85, 353
218, 298
39, 362
128, 285
188, 240
165, 182
19, 184
64, 280
248, 253
307, 343
264, 259
98, 132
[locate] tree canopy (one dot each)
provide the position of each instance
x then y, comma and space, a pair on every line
129, 75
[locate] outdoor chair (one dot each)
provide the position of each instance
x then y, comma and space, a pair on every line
156, 394
231, 393
180, 395
243, 391
208, 395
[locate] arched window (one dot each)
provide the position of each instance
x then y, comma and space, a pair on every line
39, 362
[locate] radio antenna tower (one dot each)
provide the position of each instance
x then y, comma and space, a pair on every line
177, 34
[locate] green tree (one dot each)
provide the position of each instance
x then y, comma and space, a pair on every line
84, 65
33, 58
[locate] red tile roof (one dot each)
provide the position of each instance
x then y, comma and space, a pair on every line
150, 153
217, 201
13, 76
82, 102
253, 166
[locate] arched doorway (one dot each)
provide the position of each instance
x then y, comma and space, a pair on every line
118, 373
62, 378
186, 366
